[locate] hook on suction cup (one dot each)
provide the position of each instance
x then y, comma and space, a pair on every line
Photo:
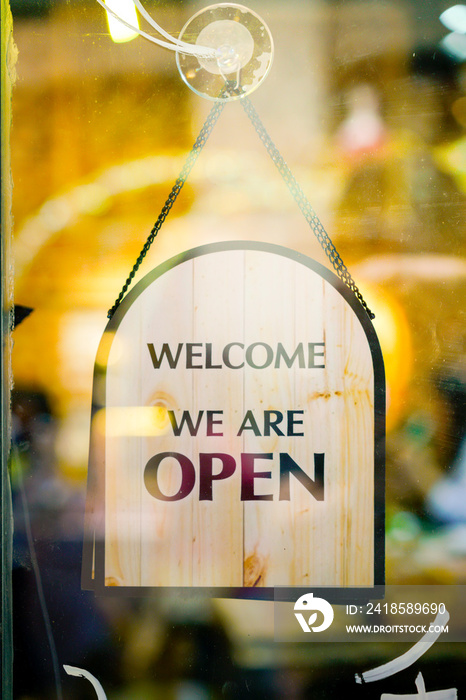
243, 52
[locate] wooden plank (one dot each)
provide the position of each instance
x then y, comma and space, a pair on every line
310, 536
339, 407
167, 542
218, 320
147, 541
269, 317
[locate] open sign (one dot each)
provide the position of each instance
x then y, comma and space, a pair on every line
261, 464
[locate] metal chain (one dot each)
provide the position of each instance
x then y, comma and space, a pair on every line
289, 179
304, 205
199, 144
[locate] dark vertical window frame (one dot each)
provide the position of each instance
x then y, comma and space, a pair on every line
7, 69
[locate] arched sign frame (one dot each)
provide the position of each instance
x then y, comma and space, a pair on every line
93, 565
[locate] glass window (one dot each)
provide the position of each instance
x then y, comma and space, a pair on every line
366, 101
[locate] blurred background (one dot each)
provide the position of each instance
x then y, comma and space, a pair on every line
366, 100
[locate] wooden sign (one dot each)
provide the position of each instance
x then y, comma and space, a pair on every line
237, 438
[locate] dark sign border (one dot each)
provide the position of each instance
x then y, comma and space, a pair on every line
94, 551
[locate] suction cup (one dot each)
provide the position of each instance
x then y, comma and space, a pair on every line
243, 49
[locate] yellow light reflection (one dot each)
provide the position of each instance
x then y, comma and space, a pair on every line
127, 11
102, 359
394, 335
132, 421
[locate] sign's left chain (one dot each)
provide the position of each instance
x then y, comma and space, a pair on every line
199, 144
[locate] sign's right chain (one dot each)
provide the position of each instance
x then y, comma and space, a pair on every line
304, 205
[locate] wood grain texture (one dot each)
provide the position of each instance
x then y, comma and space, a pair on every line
247, 297
218, 319
269, 317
